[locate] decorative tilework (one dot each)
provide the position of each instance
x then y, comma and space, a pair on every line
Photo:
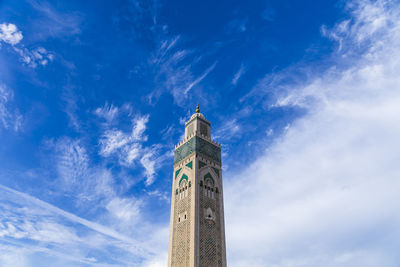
208, 175
177, 172
189, 165
216, 171
184, 177
199, 145
185, 150
202, 164
208, 149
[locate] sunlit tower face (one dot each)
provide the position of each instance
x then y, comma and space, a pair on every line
197, 232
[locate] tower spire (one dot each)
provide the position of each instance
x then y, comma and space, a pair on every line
197, 109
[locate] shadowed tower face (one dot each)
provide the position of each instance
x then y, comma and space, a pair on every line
197, 231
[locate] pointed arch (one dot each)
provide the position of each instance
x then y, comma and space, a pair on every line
184, 177
209, 176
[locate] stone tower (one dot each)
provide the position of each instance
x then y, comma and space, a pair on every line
197, 229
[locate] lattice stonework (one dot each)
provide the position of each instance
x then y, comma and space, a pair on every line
197, 231
210, 252
181, 231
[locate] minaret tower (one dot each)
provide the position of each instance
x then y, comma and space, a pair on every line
197, 229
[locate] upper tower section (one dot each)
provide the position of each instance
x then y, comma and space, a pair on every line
198, 140
197, 123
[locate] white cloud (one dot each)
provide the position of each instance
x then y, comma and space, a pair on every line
139, 126
125, 209
238, 74
199, 79
159, 261
35, 57
10, 34
108, 112
77, 176
118, 141
113, 140
9, 117
149, 165
227, 130
32, 229
326, 192
53, 23
175, 72
128, 148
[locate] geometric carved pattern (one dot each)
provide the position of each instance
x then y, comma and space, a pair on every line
203, 129
210, 245
199, 118
181, 237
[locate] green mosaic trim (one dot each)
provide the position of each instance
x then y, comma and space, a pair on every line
216, 171
208, 175
190, 165
197, 144
185, 150
184, 177
202, 164
177, 172
208, 149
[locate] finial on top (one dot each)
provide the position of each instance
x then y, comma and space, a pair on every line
197, 109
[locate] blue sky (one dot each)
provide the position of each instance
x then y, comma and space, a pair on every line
303, 96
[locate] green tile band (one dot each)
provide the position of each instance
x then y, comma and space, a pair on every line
197, 144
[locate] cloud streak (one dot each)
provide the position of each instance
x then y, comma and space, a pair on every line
9, 117
138, 246
325, 193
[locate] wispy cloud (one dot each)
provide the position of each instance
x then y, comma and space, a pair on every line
238, 74
77, 175
331, 180
126, 145
52, 230
175, 69
200, 78
9, 117
227, 130
107, 112
71, 107
128, 148
125, 209
53, 23
10, 34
